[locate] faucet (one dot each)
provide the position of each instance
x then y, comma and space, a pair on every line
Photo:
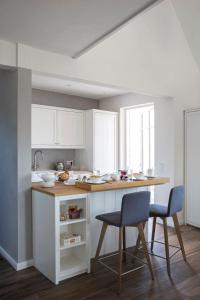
35, 164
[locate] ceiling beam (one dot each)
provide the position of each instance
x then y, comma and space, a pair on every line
143, 9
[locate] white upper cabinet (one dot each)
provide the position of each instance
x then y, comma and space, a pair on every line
105, 141
43, 126
101, 150
70, 128
54, 127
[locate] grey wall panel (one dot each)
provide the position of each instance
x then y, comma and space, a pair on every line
8, 163
62, 100
24, 165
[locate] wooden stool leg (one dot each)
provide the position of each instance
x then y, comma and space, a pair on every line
138, 242
153, 233
137, 245
145, 249
101, 238
124, 244
120, 257
178, 232
166, 246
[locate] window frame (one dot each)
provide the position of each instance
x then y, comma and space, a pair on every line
123, 132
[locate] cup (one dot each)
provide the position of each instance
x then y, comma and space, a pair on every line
150, 172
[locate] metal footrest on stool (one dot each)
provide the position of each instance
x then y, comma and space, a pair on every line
100, 260
158, 242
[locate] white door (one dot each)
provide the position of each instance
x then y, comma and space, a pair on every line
105, 142
43, 126
192, 153
70, 128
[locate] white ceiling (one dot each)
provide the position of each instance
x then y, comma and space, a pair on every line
188, 13
65, 26
76, 88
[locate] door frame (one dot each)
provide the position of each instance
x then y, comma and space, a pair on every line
186, 112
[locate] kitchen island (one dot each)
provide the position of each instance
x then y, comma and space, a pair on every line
57, 261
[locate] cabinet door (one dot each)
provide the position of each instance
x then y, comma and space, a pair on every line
70, 128
43, 126
105, 142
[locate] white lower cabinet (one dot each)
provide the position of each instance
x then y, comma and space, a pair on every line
58, 261
55, 260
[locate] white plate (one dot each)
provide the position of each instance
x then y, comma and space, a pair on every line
99, 182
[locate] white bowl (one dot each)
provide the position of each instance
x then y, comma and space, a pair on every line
48, 184
106, 177
49, 177
139, 176
95, 180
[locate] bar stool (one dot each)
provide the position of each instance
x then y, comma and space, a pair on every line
175, 205
134, 212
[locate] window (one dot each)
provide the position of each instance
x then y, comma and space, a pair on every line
139, 138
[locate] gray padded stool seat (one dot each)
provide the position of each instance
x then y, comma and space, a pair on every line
134, 212
157, 210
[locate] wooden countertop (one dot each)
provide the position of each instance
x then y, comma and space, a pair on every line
59, 189
82, 188
115, 185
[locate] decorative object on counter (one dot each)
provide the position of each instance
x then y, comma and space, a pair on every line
74, 212
63, 176
67, 239
64, 215
59, 166
123, 174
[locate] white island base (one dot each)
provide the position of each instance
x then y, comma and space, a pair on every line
57, 262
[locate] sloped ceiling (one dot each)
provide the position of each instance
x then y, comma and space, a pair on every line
188, 13
65, 26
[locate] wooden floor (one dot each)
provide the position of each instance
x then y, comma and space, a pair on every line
185, 282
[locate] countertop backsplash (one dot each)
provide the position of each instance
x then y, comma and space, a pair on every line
52, 156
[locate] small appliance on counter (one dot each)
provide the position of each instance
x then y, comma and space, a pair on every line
59, 166
68, 165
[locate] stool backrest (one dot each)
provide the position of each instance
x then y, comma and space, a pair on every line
176, 199
135, 208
